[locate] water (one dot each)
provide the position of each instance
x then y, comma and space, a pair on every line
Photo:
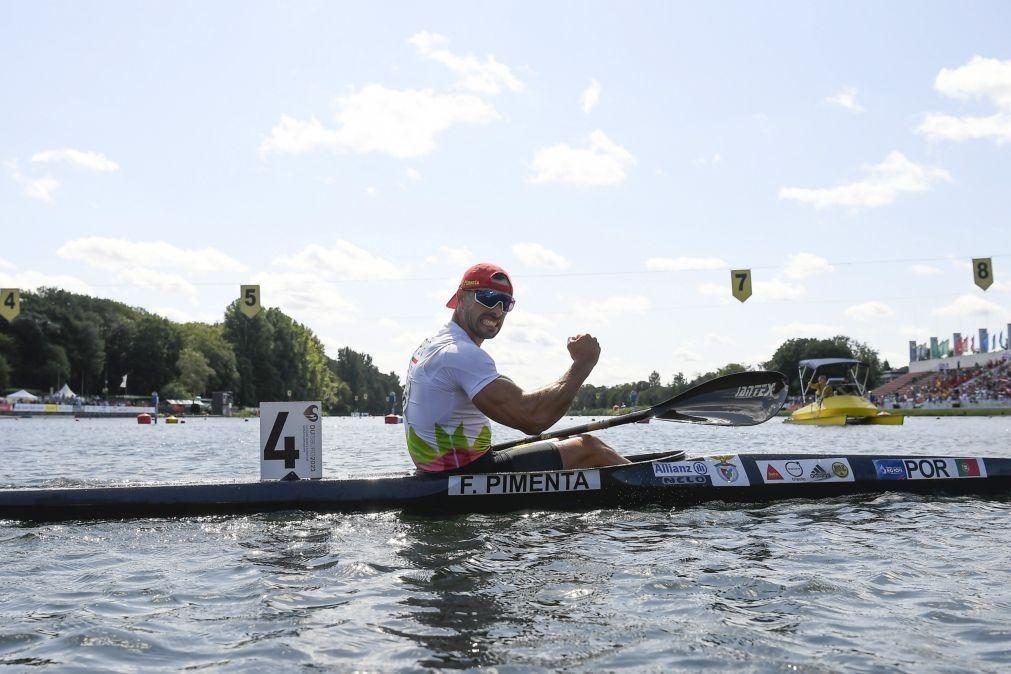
884, 583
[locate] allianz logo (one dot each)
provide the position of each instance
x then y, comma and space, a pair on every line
680, 468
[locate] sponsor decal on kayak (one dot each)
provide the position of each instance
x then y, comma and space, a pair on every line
756, 391
684, 480
682, 473
796, 471
918, 468
662, 468
723, 471
890, 469
523, 483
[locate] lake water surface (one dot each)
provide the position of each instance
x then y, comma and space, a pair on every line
873, 583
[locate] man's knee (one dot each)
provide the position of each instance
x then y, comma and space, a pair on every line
596, 447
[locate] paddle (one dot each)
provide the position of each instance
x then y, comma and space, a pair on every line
742, 399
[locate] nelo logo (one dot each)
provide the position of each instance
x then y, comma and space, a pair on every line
311, 413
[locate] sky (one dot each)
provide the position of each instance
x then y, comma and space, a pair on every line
617, 158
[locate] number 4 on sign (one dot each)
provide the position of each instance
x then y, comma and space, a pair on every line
249, 300
10, 303
982, 271
740, 283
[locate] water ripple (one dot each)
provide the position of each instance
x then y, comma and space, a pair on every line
892, 583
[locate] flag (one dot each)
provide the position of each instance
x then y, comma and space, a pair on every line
122, 384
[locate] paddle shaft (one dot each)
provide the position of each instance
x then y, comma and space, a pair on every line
629, 418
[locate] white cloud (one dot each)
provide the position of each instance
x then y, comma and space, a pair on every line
818, 330
683, 355
776, 290
118, 254
86, 159
371, 192
981, 78
294, 136
344, 261
868, 311
1000, 287
487, 77
717, 339
590, 97
912, 331
166, 282
884, 182
971, 305
454, 257
711, 160
713, 289
529, 336
685, 263
400, 123
32, 280
804, 265
604, 162
537, 256
33, 188
846, 97
602, 311
924, 269
413, 174
183, 316
938, 126
4, 264
306, 297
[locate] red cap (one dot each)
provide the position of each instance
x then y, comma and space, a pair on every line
482, 275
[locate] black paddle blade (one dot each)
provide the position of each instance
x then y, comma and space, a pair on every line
742, 399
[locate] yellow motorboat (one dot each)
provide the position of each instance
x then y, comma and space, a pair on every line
844, 398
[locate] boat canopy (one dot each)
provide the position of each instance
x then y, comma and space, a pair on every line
822, 362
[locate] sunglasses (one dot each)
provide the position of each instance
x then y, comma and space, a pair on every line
492, 298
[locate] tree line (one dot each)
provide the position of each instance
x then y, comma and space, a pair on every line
91, 343
645, 393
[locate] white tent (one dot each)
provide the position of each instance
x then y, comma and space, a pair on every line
23, 396
65, 392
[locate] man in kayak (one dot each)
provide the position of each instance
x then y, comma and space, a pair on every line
453, 389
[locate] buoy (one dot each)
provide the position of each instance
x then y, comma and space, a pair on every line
171, 420
144, 418
393, 419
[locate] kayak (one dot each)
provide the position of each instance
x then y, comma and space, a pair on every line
661, 479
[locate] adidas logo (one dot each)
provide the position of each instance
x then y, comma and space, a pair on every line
819, 473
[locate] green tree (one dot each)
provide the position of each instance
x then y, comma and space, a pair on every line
792, 351
252, 341
210, 341
5, 374
151, 358
194, 372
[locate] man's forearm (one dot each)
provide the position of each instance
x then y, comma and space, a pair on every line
550, 403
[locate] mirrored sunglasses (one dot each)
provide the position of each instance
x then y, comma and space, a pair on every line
491, 298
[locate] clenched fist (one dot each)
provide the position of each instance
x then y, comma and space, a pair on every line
584, 349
